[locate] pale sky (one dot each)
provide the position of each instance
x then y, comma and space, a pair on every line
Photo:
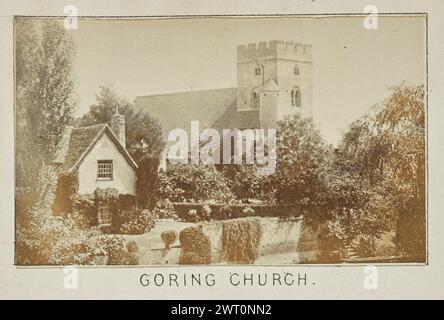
353, 67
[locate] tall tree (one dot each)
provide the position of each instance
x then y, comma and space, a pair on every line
44, 98
301, 161
379, 174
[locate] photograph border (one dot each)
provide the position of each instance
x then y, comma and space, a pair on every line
425, 15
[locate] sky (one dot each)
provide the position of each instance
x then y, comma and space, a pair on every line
353, 67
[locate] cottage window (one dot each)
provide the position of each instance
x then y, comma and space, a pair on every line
105, 169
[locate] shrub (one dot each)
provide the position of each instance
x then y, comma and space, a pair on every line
65, 193
123, 211
147, 179
191, 183
133, 253
240, 240
120, 254
224, 212
140, 222
43, 239
192, 216
85, 208
168, 237
206, 212
248, 211
195, 246
165, 210
95, 248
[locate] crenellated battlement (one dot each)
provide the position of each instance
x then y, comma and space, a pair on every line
275, 48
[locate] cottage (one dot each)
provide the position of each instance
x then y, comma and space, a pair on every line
98, 156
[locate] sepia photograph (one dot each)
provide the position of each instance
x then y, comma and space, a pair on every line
220, 140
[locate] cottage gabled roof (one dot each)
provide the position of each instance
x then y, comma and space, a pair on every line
81, 140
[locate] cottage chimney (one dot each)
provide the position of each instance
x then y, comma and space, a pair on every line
118, 127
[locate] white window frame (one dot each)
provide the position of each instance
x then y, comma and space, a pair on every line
105, 169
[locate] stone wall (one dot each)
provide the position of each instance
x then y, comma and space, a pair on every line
290, 239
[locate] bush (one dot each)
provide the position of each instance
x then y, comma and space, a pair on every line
168, 237
240, 240
43, 239
165, 210
140, 222
133, 253
65, 193
85, 208
195, 246
248, 211
206, 212
147, 179
95, 248
125, 208
192, 216
191, 183
224, 212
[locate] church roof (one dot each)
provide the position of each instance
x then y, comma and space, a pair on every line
177, 110
77, 142
215, 108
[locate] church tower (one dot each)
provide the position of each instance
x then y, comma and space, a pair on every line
275, 78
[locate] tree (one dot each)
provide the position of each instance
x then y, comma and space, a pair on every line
143, 132
301, 161
377, 179
243, 179
44, 108
194, 183
144, 139
44, 101
27, 165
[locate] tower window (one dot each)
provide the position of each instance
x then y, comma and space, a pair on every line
255, 98
295, 97
257, 71
296, 70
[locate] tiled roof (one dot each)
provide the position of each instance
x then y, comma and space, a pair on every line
215, 108
81, 140
231, 118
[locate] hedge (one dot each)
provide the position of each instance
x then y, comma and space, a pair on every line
233, 211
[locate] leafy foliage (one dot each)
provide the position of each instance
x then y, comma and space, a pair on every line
195, 246
245, 182
144, 139
190, 183
143, 132
168, 237
376, 179
165, 210
44, 239
138, 223
44, 102
240, 239
65, 194
301, 162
